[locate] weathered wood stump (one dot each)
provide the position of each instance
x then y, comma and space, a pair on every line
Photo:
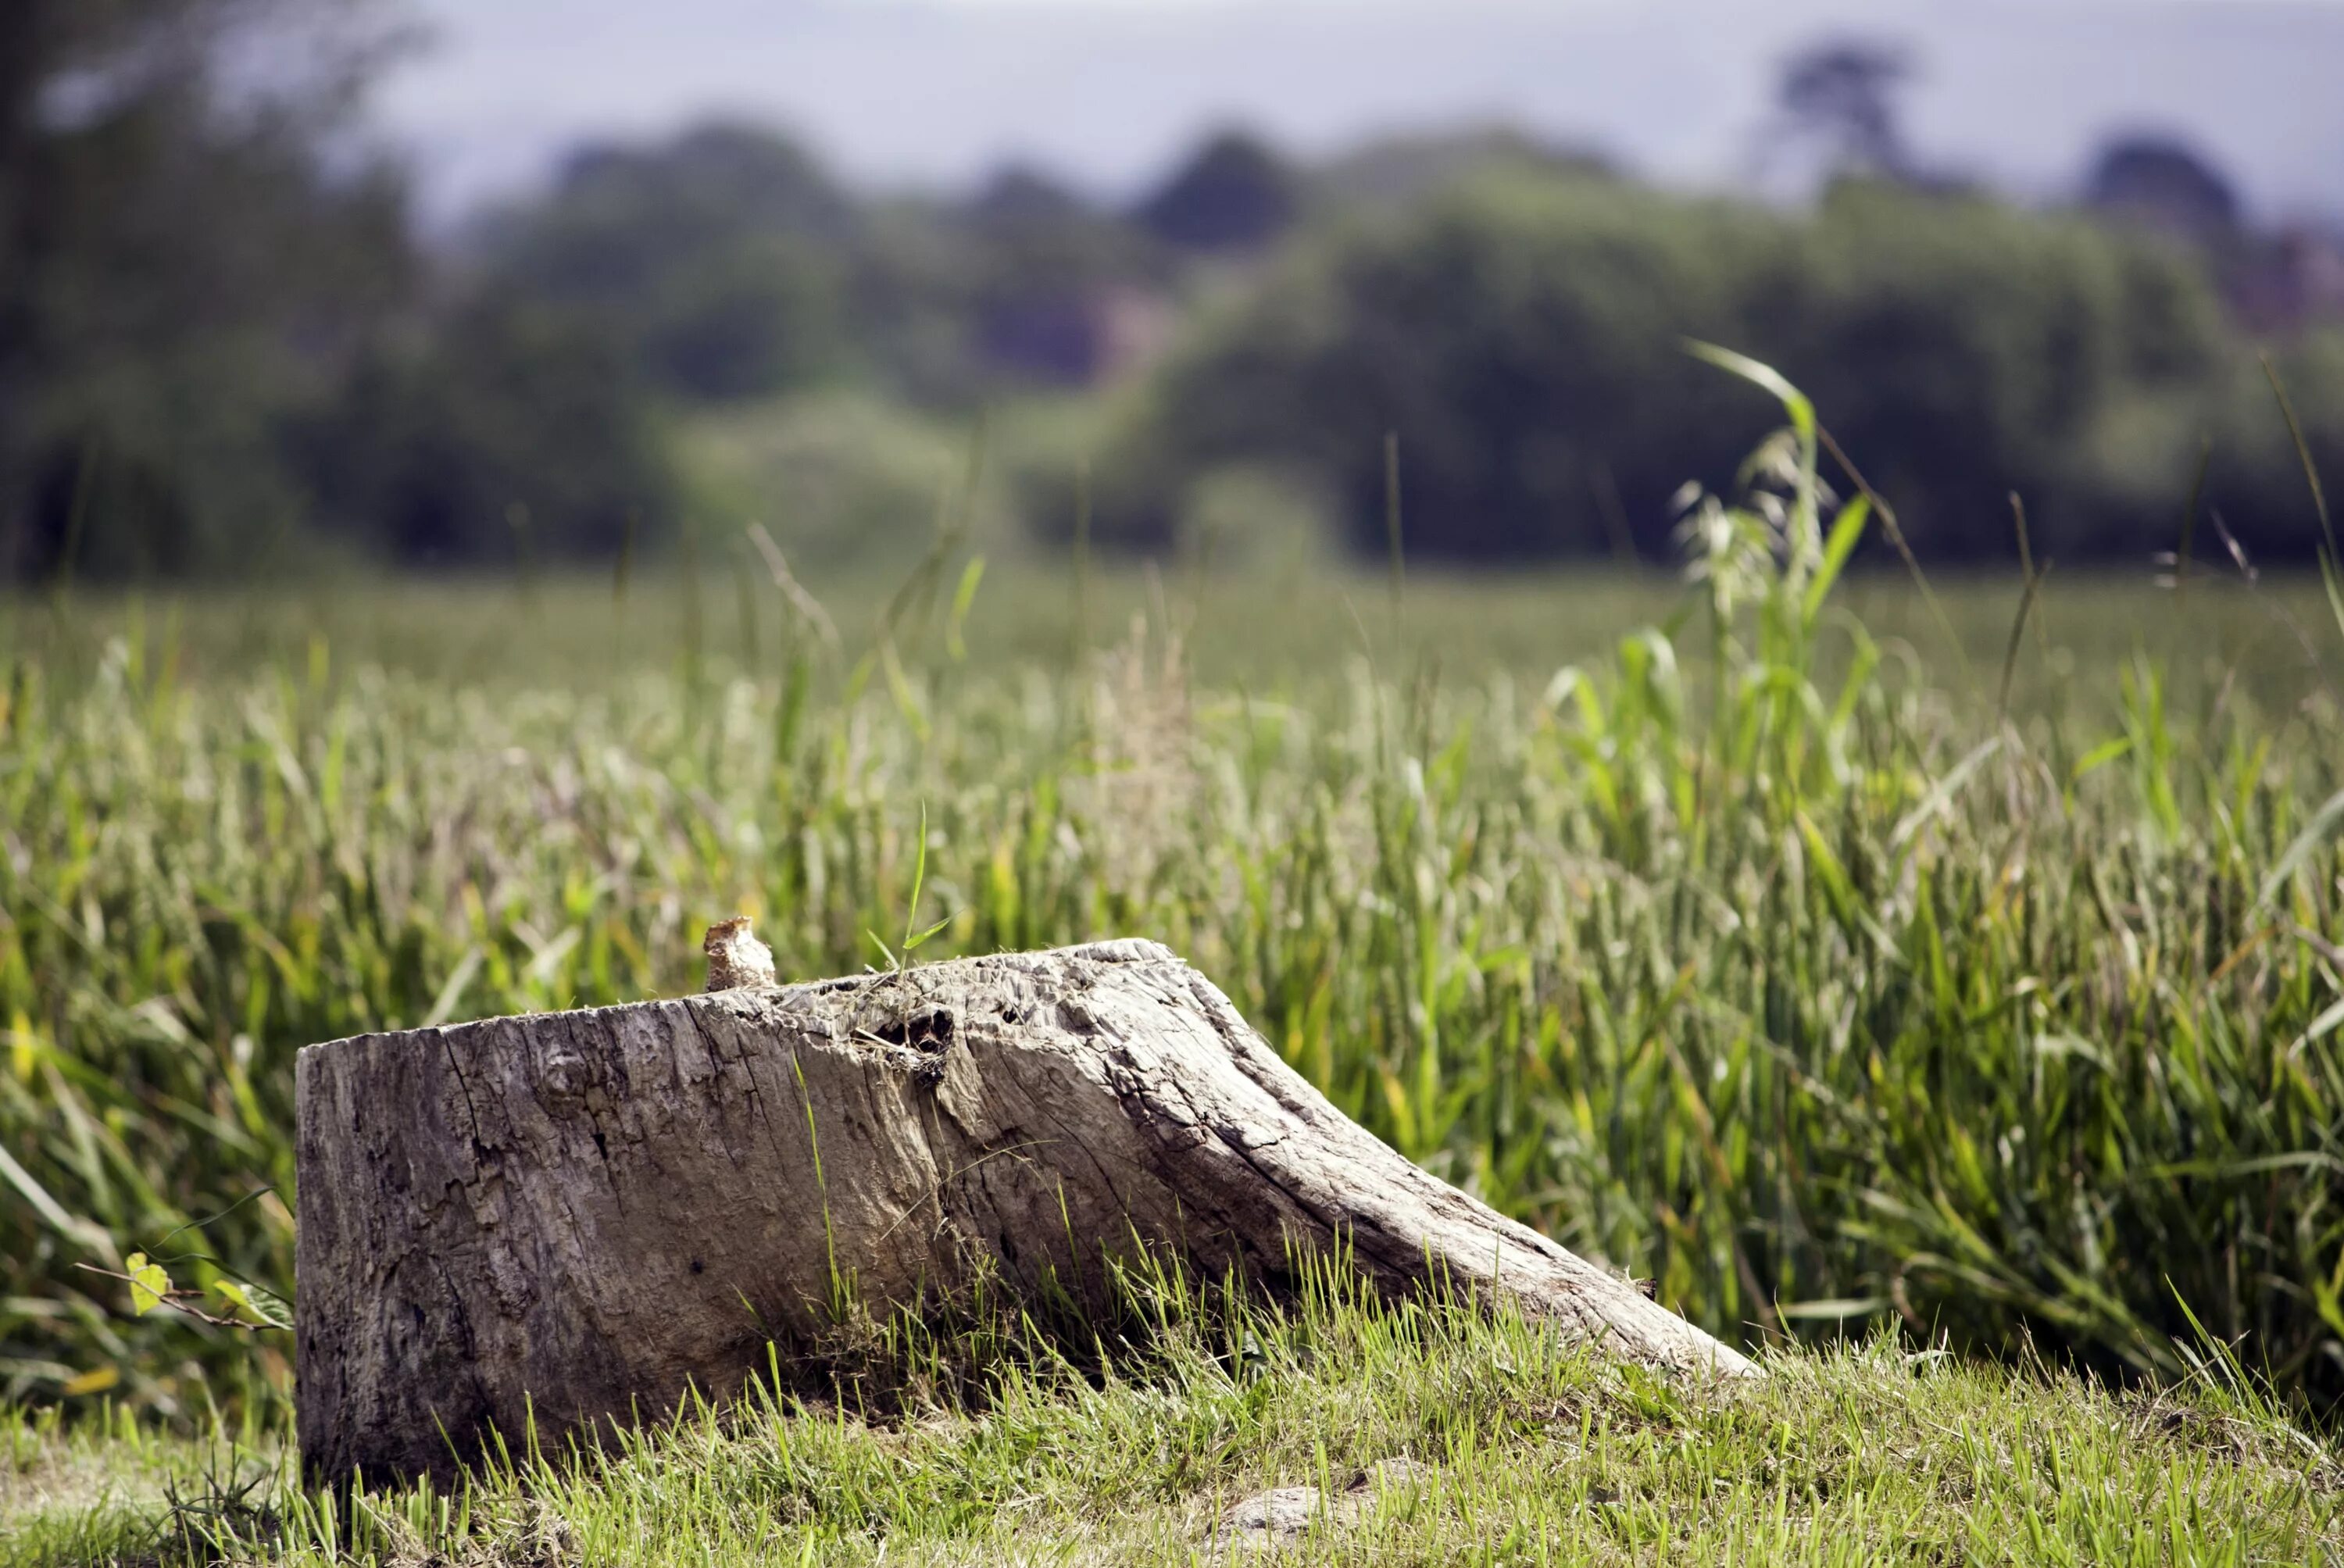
580, 1215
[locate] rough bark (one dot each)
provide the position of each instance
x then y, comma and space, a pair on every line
581, 1215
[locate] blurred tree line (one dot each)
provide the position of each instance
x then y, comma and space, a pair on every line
1523, 340
1515, 337
224, 348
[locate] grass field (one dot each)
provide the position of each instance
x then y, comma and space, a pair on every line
1846, 960
1518, 1452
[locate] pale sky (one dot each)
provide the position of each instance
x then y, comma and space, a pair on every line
935, 93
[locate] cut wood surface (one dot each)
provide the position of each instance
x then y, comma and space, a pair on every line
579, 1216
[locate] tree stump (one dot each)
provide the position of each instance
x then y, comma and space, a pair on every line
575, 1217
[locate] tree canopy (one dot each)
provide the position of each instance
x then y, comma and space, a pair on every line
181, 395
1524, 342
207, 281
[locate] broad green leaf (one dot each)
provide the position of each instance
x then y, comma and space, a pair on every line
149, 1284
266, 1305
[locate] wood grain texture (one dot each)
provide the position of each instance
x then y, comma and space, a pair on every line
582, 1214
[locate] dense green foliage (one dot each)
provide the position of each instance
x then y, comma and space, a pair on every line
732, 268
1429, 1436
1742, 954
713, 256
515, 433
316, 382
149, 353
223, 349
1235, 194
1522, 339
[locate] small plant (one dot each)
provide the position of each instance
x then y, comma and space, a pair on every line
915, 937
242, 1303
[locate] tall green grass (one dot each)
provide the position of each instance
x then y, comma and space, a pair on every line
1752, 951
